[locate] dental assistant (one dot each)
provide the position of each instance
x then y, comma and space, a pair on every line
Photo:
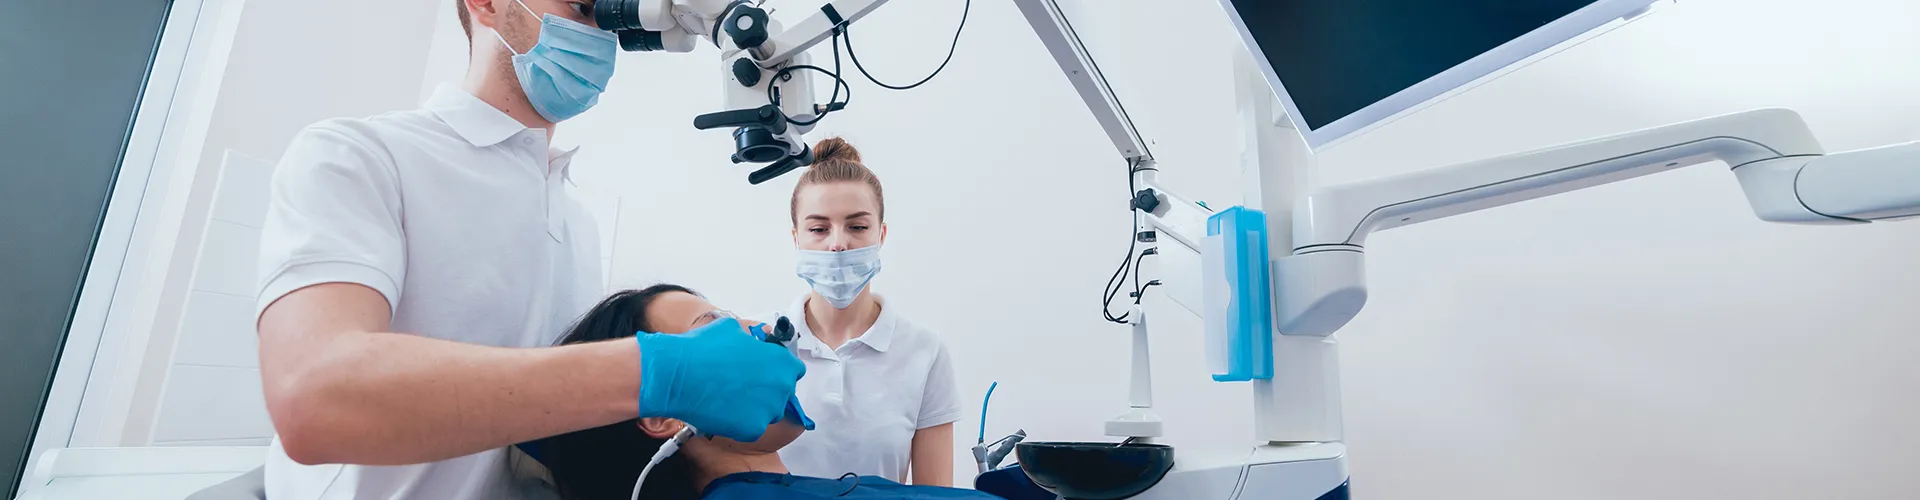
416, 266
880, 388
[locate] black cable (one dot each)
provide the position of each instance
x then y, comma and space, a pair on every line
1137, 289
773, 96
850, 488
1115, 282
936, 72
1113, 288
837, 81
1118, 280
1140, 291
1143, 290
1136, 275
833, 103
1132, 189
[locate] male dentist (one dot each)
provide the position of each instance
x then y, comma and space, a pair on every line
416, 266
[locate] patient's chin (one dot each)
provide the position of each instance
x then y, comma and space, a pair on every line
777, 436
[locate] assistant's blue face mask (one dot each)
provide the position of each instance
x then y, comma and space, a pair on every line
565, 72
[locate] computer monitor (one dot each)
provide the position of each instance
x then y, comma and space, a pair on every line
1342, 67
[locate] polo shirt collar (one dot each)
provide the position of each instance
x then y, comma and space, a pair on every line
563, 160
481, 124
879, 336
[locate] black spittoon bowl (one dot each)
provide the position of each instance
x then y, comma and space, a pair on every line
1094, 471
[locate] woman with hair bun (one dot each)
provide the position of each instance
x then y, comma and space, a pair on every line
880, 388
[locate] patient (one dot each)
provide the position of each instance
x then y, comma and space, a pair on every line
603, 462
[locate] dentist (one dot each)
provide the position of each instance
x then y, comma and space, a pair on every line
414, 267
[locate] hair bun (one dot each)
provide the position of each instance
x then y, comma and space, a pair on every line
835, 149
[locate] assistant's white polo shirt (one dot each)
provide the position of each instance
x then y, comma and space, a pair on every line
868, 397
455, 214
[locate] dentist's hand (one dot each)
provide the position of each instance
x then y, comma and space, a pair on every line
717, 378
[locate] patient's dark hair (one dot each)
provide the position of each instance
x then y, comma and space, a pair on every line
603, 462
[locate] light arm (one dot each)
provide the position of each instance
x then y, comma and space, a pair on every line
1778, 162
1061, 41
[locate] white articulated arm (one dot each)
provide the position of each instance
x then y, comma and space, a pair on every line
1773, 154
1183, 221
1879, 184
814, 29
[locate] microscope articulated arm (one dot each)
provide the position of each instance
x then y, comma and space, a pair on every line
814, 29
1780, 166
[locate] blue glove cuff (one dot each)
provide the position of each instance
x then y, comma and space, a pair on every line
796, 415
659, 358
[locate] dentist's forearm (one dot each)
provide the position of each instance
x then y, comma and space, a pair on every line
341, 391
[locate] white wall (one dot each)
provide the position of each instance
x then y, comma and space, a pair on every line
447, 52
1648, 339
286, 65
212, 391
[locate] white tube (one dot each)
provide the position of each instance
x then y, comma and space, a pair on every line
1141, 395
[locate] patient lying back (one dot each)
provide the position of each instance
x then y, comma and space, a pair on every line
603, 462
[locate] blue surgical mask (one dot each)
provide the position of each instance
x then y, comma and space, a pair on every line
564, 73
839, 276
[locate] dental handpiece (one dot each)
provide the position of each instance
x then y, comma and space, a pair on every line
782, 334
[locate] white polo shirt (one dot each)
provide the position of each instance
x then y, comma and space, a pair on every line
455, 214
868, 397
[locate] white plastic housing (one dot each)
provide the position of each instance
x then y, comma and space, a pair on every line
796, 94
1179, 271
1177, 219
657, 15
1870, 184
1318, 292
681, 22
677, 41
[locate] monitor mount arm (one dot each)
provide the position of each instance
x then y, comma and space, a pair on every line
1780, 166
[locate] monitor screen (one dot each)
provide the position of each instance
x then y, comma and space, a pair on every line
1334, 59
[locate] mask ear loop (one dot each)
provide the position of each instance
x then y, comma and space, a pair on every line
503, 43
503, 40
523, 6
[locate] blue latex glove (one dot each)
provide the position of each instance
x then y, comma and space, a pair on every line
794, 413
717, 379
797, 415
